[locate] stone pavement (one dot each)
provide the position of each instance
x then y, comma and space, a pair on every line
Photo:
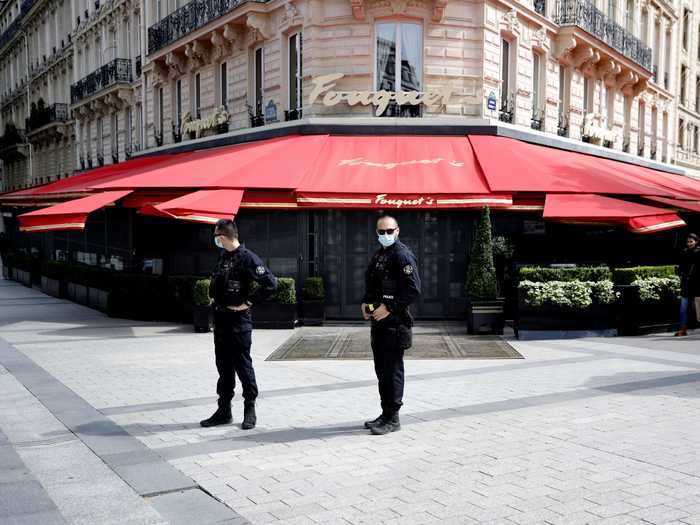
99, 424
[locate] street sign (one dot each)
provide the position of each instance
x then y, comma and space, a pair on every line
271, 112
491, 102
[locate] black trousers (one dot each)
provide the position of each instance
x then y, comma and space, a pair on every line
388, 365
232, 350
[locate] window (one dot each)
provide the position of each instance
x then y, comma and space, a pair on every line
177, 101
114, 134
563, 94
295, 68
139, 126
640, 138
695, 138
644, 23
223, 85
697, 93
536, 75
686, 18
587, 95
258, 81
399, 56
505, 72
610, 107
159, 109
684, 76
159, 9
128, 126
100, 138
612, 9
196, 97
98, 53
630, 16
681, 134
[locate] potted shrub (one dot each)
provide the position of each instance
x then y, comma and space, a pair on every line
312, 306
564, 299
202, 314
648, 299
484, 308
280, 311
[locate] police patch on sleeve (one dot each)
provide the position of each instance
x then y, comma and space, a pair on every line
260, 270
408, 269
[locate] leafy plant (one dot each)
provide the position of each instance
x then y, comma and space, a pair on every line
568, 294
200, 295
286, 292
581, 273
313, 289
502, 247
481, 273
657, 289
623, 276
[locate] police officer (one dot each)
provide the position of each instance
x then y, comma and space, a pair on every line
391, 285
236, 270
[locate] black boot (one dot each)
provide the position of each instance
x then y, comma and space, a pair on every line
388, 424
374, 422
249, 417
222, 416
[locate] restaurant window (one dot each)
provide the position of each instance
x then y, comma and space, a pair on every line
399, 63
258, 70
222, 82
295, 76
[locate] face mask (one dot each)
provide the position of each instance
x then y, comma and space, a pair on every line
218, 242
386, 240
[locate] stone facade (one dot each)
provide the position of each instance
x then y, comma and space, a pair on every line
688, 79
238, 64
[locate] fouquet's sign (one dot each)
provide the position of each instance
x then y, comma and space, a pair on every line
383, 199
323, 89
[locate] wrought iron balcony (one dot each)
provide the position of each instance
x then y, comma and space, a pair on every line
584, 14
189, 17
118, 70
41, 117
293, 114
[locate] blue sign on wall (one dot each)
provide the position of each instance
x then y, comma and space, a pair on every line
491, 102
271, 112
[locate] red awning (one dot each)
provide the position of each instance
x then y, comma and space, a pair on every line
69, 215
397, 172
207, 206
268, 164
596, 209
514, 166
80, 184
677, 204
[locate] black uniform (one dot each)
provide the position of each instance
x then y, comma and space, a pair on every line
230, 285
392, 278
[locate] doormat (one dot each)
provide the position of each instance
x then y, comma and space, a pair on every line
429, 342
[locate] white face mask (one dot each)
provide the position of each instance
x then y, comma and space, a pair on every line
218, 242
386, 240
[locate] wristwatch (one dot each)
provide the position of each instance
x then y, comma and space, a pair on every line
248, 303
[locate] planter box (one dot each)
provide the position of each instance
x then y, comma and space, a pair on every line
52, 287
635, 317
274, 315
97, 299
312, 313
77, 293
596, 318
202, 318
22, 276
485, 317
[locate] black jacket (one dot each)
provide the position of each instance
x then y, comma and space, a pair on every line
392, 278
689, 272
233, 277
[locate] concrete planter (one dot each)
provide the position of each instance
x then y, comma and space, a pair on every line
635, 317
485, 317
274, 315
312, 313
52, 287
77, 293
22, 276
97, 299
202, 318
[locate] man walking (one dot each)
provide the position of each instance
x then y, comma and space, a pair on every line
391, 285
689, 272
232, 292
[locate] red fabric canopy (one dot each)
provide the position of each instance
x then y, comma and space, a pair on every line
397, 172
270, 164
676, 203
514, 166
207, 206
596, 209
69, 215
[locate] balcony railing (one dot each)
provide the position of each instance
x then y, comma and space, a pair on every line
189, 17
53, 113
584, 14
118, 70
16, 23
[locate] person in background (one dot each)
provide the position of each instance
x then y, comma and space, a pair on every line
689, 272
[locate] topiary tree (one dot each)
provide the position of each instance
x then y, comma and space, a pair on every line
200, 295
481, 273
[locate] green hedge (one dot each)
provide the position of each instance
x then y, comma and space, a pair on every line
286, 292
200, 295
582, 273
313, 289
624, 276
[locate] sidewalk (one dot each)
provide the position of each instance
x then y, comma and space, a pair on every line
99, 424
